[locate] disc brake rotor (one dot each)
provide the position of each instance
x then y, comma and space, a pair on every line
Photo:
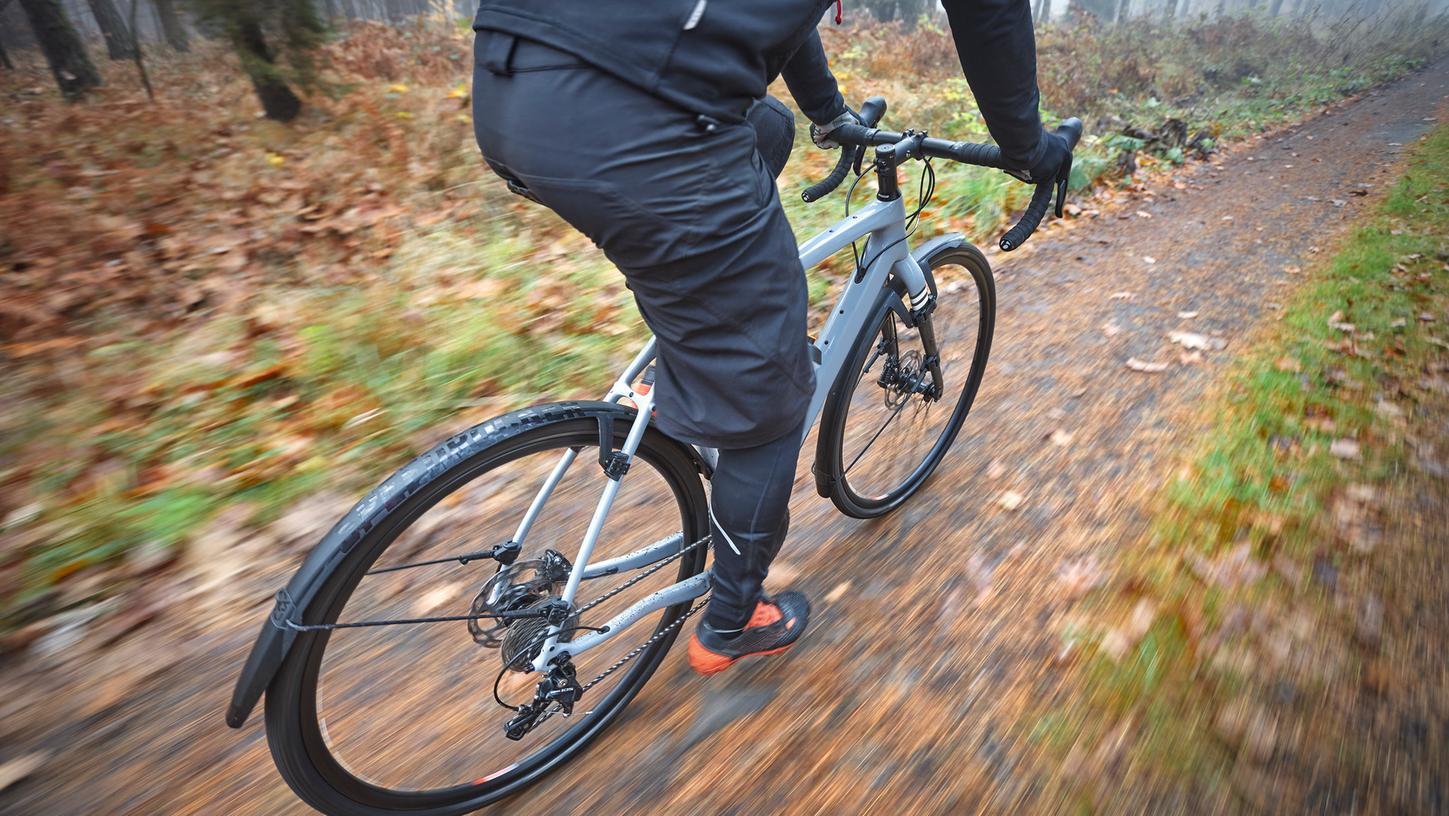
514, 587
902, 378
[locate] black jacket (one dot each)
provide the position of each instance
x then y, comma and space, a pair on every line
716, 57
713, 57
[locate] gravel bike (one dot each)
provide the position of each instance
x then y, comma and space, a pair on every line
383, 689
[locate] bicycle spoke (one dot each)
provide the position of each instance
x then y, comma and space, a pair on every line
878, 432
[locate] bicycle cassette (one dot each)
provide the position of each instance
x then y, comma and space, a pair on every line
524, 639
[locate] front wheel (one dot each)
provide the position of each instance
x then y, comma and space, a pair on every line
898, 405
402, 719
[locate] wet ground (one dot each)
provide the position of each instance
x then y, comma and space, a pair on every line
936, 630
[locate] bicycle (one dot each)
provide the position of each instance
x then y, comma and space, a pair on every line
890, 343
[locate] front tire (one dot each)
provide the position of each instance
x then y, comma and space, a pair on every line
886, 388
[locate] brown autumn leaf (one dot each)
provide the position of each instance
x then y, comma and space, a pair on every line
1146, 367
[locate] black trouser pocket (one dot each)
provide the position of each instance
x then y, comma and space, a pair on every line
629, 233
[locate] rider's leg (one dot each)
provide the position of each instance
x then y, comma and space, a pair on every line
689, 212
749, 507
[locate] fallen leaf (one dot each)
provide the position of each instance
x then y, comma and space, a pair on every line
1289, 364
1344, 448
1186, 315
1149, 259
1190, 340
1150, 368
838, 592
995, 470
1111, 329
1121, 296
1143, 214
1060, 438
21, 767
1010, 500
436, 597
1079, 576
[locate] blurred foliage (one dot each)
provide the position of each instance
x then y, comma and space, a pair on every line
206, 309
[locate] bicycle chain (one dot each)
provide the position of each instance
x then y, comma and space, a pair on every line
633, 653
655, 638
638, 650
645, 574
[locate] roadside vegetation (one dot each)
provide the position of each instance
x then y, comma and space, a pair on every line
206, 309
1291, 571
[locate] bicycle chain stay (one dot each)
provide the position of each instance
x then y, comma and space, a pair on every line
531, 715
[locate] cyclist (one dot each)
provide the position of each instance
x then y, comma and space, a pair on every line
646, 125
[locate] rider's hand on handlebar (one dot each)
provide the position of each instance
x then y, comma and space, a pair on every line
820, 134
1055, 161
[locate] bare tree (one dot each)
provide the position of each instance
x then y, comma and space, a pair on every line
120, 45
171, 25
277, 97
136, 52
1123, 6
69, 62
1044, 15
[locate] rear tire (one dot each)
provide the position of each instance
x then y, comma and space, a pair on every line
847, 451
298, 739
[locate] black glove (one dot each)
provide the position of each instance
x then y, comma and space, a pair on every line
820, 134
1053, 162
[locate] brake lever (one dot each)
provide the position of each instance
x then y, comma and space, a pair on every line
1063, 179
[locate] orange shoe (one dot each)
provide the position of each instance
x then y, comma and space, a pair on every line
774, 627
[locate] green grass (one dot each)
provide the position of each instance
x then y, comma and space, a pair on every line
1265, 473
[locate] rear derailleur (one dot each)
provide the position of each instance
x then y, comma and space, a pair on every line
560, 686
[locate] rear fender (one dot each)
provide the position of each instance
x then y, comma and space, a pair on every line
293, 602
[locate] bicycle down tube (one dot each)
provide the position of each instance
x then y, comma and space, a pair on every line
884, 223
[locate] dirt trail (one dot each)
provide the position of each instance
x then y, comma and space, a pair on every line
905, 696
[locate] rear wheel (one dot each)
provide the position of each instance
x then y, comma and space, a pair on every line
401, 718
895, 410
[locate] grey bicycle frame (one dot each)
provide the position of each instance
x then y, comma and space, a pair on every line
887, 255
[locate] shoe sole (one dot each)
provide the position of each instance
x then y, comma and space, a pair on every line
713, 671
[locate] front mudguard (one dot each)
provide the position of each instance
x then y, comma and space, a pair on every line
925, 256
293, 602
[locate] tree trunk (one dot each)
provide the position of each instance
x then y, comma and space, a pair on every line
1122, 9
277, 98
1046, 12
141, 63
171, 25
63, 48
1036, 12
120, 45
1274, 7
1170, 10
5, 58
